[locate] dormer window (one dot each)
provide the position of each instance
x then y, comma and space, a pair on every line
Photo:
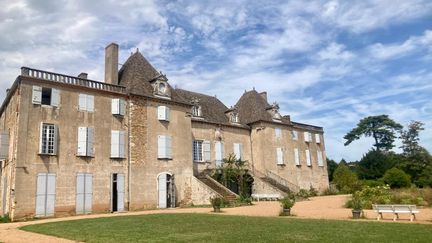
162, 88
274, 111
196, 111
234, 117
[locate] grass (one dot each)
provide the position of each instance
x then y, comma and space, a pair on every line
224, 228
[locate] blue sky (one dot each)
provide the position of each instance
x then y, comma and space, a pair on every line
328, 63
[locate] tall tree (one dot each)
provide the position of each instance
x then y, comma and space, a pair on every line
331, 167
410, 138
381, 128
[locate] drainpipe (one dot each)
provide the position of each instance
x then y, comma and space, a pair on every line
129, 153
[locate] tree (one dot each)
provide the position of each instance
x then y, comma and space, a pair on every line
374, 164
410, 138
234, 175
419, 166
345, 180
331, 167
381, 128
396, 178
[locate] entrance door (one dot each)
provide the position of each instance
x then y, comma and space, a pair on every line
84, 193
166, 191
45, 194
118, 192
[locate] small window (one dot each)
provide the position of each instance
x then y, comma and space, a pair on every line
317, 138
196, 111
297, 156
4, 145
294, 135
234, 117
86, 102
219, 153
48, 139
45, 96
164, 147
278, 132
118, 107
308, 158
85, 141
307, 137
163, 113
198, 150
238, 150
118, 144
279, 155
320, 158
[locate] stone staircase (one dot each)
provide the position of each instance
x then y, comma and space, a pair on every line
217, 187
277, 181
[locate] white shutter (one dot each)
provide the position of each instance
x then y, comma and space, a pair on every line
279, 154
296, 156
294, 135
82, 141
37, 95
80, 193
162, 190
40, 138
4, 146
120, 192
218, 151
56, 140
115, 106
162, 147
306, 136
168, 147
238, 150
122, 144
162, 113
320, 158
88, 196
167, 113
41, 194
90, 138
55, 97
278, 132
115, 144
50, 196
122, 107
308, 158
317, 138
82, 102
90, 103
206, 151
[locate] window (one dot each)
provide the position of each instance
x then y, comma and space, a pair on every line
4, 145
317, 138
118, 107
278, 132
307, 137
85, 141
238, 150
279, 155
163, 113
45, 96
117, 144
201, 151
234, 117
320, 158
48, 139
294, 135
86, 102
164, 147
196, 111
308, 158
296, 156
219, 153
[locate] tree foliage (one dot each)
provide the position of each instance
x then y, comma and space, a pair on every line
374, 164
331, 167
397, 178
345, 180
381, 128
410, 138
234, 175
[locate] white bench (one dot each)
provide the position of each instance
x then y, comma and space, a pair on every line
395, 210
267, 197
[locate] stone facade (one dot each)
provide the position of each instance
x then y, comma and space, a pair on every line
150, 179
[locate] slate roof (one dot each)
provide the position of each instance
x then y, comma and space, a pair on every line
213, 110
252, 107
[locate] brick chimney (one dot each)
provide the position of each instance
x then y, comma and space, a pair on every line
83, 75
264, 95
111, 63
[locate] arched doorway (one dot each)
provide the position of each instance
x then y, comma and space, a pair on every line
166, 190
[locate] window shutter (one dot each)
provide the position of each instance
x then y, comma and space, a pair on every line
206, 150
167, 113
55, 97
161, 147
115, 144
168, 147
37, 95
115, 106
296, 156
161, 113
238, 150
4, 146
122, 144
308, 158
317, 138
56, 140
122, 107
279, 154
90, 103
82, 101
90, 136
306, 136
82, 141
218, 151
278, 132
40, 138
320, 158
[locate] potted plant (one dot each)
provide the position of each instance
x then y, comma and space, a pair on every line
216, 202
287, 203
357, 206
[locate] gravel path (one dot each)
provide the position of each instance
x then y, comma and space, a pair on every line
326, 207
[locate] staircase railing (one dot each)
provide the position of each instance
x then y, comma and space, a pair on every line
293, 187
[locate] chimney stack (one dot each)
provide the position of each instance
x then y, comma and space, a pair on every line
264, 95
83, 75
111, 63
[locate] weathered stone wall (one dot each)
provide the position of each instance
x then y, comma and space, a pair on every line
262, 187
201, 193
66, 164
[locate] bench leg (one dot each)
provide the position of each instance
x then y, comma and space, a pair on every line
412, 217
379, 216
394, 217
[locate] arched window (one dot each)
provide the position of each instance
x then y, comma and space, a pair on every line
196, 111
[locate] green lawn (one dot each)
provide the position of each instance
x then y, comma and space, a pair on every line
223, 228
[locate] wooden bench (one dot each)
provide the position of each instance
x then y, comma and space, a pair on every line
267, 197
395, 210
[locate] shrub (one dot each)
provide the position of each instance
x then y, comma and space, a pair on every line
216, 202
5, 219
373, 183
313, 192
302, 194
332, 190
243, 199
356, 202
374, 195
397, 178
288, 201
345, 180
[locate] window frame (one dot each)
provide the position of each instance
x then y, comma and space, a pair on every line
48, 139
